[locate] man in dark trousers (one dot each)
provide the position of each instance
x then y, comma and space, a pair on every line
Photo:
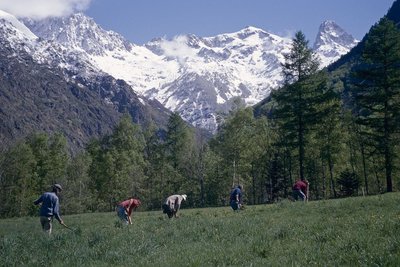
235, 199
50, 208
300, 188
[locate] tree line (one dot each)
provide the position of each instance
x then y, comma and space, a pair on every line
343, 141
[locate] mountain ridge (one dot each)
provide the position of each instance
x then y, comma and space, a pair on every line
215, 70
47, 87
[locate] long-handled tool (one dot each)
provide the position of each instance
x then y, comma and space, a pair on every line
76, 231
63, 224
69, 228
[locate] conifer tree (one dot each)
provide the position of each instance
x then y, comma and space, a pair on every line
376, 91
158, 170
179, 149
296, 102
240, 145
118, 165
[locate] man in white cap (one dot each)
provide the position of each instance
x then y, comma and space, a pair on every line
50, 208
172, 205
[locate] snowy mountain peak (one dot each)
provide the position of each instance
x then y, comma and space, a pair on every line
332, 42
248, 31
80, 32
22, 30
330, 32
198, 77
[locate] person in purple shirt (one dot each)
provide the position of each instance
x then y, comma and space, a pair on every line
50, 208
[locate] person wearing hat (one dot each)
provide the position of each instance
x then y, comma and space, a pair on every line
172, 205
125, 208
235, 199
50, 208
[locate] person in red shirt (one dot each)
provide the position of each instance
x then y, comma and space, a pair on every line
124, 209
300, 189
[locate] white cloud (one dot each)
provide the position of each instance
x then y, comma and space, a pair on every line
289, 34
39, 9
178, 48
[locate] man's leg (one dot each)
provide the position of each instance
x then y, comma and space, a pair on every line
46, 224
122, 215
294, 195
302, 195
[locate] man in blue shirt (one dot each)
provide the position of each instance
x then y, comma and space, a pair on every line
236, 197
50, 208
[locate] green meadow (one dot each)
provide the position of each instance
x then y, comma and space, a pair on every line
362, 231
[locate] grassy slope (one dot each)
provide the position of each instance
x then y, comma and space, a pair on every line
354, 231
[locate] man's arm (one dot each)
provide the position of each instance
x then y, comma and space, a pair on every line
177, 206
128, 214
129, 211
56, 212
39, 200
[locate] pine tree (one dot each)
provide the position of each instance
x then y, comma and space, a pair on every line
179, 149
296, 108
376, 91
328, 131
118, 166
239, 146
154, 156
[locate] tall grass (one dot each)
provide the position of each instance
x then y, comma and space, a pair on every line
361, 231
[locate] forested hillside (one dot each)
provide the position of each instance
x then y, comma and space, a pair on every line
338, 129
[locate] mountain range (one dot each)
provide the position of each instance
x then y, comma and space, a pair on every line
198, 77
75, 77
46, 87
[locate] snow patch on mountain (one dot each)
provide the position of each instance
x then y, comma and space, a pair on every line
215, 70
16, 34
198, 77
79, 32
21, 30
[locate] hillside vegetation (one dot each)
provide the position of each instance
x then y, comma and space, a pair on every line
338, 129
362, 231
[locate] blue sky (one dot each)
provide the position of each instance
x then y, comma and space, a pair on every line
141, 20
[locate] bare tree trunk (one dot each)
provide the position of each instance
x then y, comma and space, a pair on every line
378, 183
330, 164
253, 183
388, 154
201, 171
364, 167
323, 179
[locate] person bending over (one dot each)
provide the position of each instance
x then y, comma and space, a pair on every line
125, 208
172, 205
300, 190
236, 198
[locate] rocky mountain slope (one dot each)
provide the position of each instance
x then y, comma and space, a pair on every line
199, 77
47, 87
